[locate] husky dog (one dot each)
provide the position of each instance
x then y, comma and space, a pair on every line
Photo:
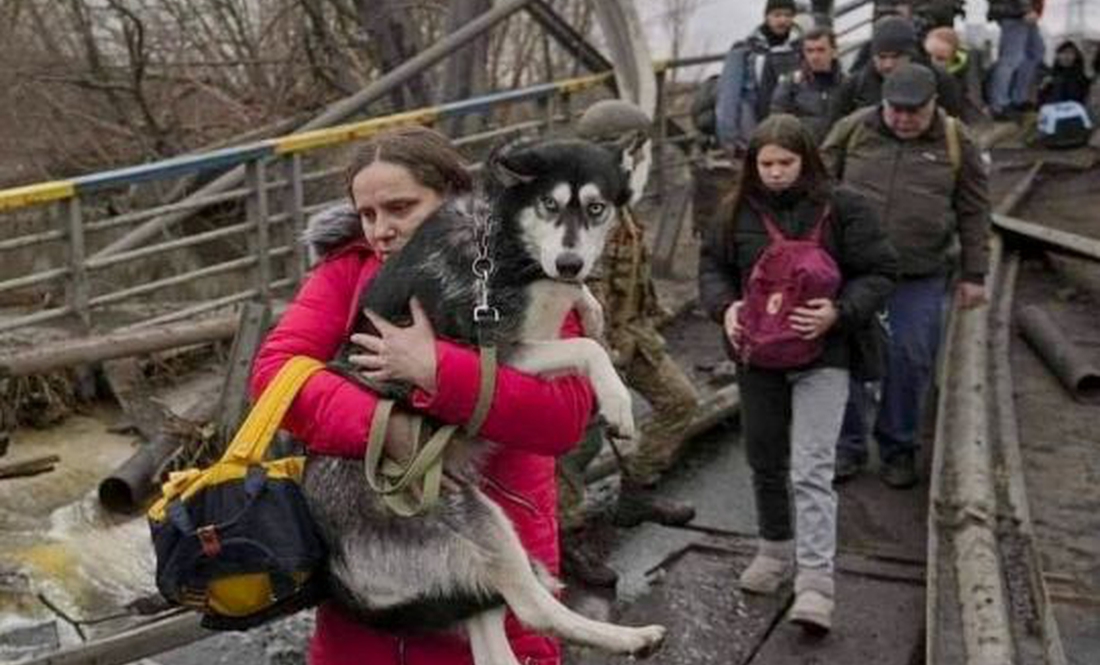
549, 206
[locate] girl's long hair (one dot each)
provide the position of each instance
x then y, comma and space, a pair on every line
787, 132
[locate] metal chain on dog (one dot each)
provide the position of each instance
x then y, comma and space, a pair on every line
483, 268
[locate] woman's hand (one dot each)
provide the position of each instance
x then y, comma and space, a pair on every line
733, 325
400, 445
399, 354
814, 319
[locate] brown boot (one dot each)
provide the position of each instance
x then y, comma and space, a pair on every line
581, 564
637, 505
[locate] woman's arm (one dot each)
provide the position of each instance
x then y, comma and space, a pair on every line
542, 416
331, 414
719, 279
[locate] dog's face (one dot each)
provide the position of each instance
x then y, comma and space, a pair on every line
564, 196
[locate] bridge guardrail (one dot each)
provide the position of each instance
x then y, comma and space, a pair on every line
277, 197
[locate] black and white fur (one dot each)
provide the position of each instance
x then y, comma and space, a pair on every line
552, 203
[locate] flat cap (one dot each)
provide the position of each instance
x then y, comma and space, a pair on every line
909, 86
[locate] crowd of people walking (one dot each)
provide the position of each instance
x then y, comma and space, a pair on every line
849, 210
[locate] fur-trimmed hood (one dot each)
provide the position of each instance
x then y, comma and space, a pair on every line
331, 229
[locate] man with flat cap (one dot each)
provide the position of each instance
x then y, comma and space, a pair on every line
893, 43
924, 173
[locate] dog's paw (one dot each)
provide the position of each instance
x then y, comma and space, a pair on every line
617, 411
645, 641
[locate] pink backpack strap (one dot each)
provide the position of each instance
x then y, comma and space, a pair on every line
777, 235
774, 233
818, 231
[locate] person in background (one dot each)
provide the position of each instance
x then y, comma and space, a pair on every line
623, 283
790, 417
1020, 55
750, 73
893, 44
945, 50
823, 12
807, 93
1067, 80
881, 9
923, 173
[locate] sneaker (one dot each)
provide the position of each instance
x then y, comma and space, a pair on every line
813, 602
769, 569
847, 467
636, 506
577, 563
900, 471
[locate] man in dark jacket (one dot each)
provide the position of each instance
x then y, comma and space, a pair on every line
807, 93
925, 174
893, 43
1019, 56
751, 71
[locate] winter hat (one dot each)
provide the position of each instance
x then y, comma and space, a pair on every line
894, 34
612, 119
909, 86
774, 5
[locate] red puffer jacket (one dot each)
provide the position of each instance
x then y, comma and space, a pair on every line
532, 419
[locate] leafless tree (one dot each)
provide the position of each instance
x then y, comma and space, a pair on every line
89, 84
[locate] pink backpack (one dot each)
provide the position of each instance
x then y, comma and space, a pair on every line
788, 274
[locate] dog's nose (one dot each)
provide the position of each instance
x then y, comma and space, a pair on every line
569, 265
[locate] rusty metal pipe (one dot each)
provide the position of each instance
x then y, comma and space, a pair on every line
1068, 362
128, 488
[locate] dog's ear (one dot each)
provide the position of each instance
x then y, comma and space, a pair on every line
634, 156
511, 164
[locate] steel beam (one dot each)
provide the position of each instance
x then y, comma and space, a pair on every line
568, 37
629, 51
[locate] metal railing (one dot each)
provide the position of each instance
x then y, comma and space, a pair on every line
287, 179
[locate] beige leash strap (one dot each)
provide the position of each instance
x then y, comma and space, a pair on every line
395, 484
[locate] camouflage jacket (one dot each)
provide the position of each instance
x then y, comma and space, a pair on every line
623, 284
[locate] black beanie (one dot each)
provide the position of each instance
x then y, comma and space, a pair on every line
780, 4
894, 34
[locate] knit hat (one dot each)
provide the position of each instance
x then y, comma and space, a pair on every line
894, 34
774, 5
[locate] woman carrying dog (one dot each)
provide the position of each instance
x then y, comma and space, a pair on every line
793, 367
396, 181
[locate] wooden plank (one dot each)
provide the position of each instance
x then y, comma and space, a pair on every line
1073, 242
671, 223
29, 467
130, 645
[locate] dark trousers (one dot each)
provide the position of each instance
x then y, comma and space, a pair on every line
915, 319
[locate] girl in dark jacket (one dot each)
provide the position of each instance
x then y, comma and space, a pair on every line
791, 418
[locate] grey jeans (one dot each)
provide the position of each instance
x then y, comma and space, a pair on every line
790, 421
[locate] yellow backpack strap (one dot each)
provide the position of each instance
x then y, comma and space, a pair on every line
954, 143
252, 439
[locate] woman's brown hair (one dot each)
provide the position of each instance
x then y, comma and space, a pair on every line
427, 154
787, 132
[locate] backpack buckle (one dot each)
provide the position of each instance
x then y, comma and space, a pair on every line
208, 538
